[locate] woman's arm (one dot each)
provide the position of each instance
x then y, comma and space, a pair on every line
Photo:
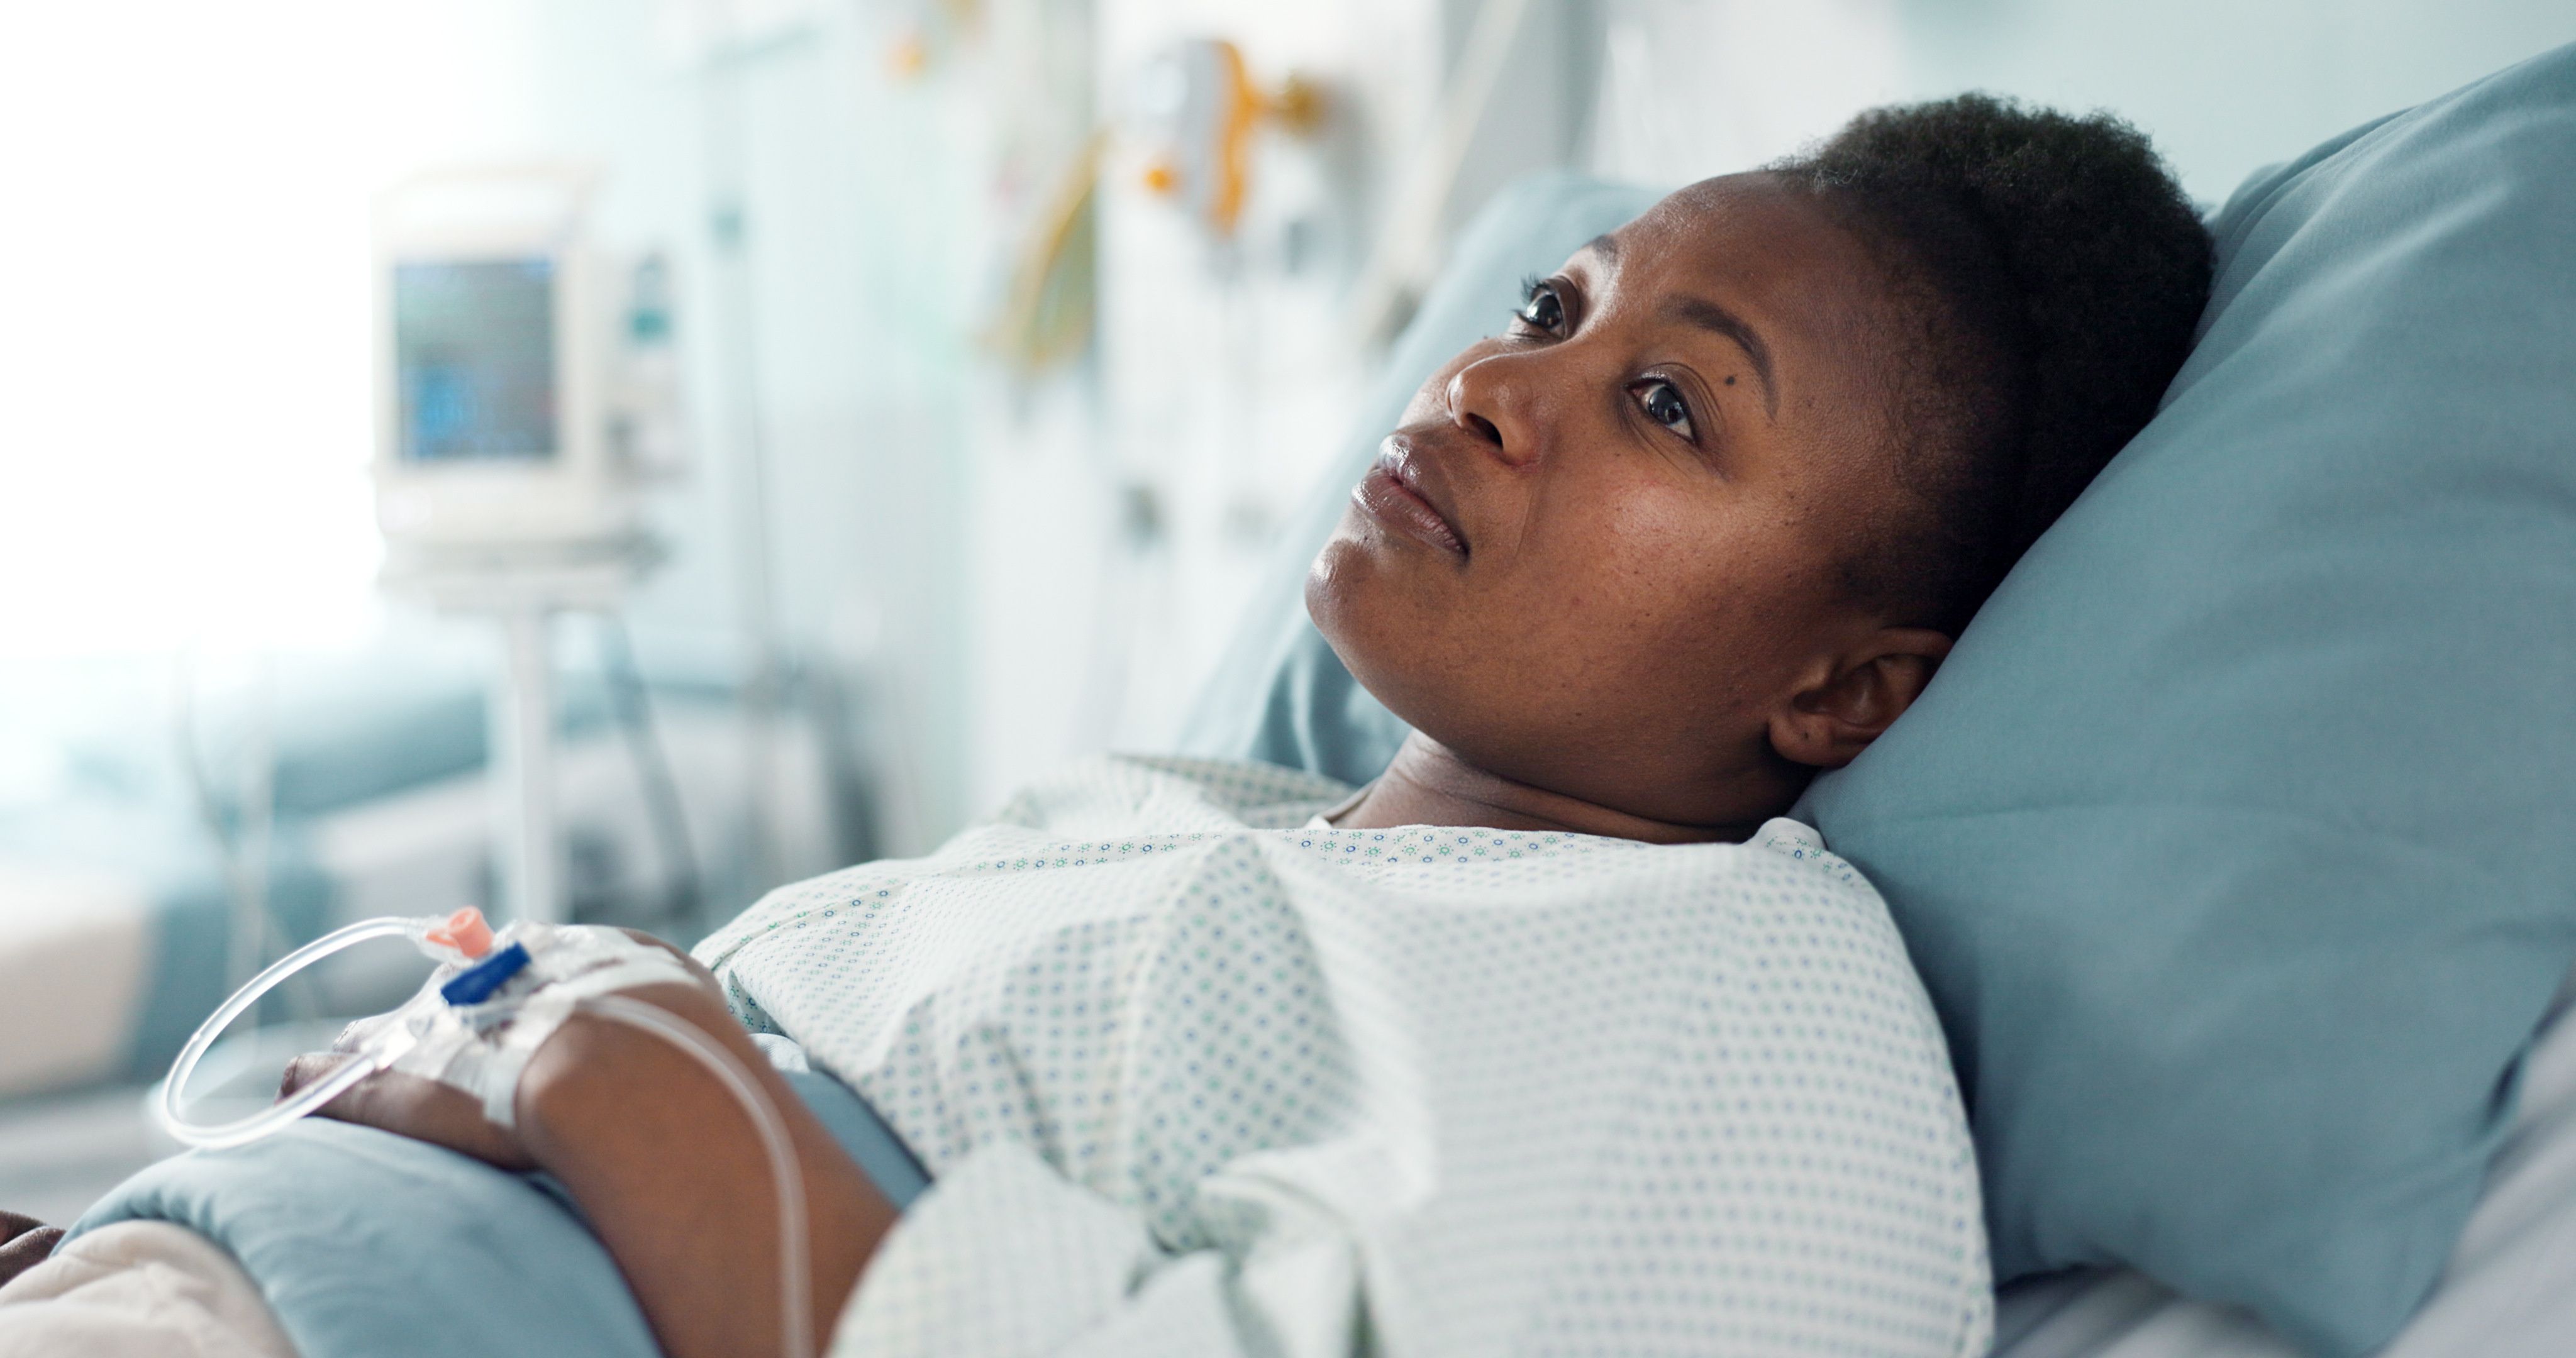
666, 1165
671, 1171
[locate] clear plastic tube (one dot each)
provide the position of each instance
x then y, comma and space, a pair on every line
795, 1330
245, 1130
796, 1321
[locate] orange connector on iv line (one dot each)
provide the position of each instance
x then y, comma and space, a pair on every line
464, 931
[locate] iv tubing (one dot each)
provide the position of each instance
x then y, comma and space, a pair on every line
795, 1291
303, 1101
795, 1288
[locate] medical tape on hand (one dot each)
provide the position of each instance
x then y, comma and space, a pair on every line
476, 1031
484, 1047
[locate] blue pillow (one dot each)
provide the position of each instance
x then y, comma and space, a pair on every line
1279, 693
2237, 840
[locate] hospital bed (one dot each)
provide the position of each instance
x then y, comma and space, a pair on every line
2509, 1290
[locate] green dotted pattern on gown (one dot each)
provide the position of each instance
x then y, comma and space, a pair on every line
1195, 1074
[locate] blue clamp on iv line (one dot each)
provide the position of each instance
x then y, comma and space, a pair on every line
476, 983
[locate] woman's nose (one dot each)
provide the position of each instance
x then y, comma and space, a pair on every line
1491, 399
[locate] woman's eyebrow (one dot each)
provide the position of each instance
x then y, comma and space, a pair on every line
1715, 319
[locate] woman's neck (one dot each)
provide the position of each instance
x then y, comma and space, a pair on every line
1429, 784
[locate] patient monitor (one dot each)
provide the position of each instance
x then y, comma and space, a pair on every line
521, 374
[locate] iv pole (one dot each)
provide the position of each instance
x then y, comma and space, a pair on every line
523, 588
523, 762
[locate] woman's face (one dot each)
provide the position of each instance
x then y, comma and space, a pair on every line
1603, 553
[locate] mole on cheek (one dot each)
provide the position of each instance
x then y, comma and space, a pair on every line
1730, 379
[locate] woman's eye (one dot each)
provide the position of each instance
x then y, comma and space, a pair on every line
1662, 402
1543, 310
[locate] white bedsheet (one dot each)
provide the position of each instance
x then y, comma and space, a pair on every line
138, 1289
2509, 1291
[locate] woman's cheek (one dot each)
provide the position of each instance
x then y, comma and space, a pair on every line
1655, 549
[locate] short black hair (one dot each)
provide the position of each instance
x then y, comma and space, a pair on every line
2054, 272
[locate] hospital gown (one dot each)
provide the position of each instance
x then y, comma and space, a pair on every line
1195, 1074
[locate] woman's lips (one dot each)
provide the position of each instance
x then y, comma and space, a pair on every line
1398, 506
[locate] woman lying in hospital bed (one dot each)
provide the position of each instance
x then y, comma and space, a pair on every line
1553, 1035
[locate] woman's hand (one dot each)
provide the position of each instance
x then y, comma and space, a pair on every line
24, 1243
414, 1106
668, 1169
443, 1115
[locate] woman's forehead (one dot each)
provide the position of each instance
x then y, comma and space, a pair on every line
1753, 232
1758, 248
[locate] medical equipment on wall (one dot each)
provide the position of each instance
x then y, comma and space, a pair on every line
527, 394
1400, 267
1053, 287
923, 32
493, 1000
1195, 112
1196, 103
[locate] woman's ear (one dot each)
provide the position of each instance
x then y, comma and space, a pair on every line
1855, 696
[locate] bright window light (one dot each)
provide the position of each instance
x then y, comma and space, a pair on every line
184, 305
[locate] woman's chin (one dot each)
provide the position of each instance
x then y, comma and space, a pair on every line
1349, 575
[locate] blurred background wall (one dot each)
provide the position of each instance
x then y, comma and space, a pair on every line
995, 558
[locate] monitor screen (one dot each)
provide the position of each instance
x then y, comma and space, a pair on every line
474, 360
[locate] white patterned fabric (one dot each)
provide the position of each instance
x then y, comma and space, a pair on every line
138, 1289
1194, 1079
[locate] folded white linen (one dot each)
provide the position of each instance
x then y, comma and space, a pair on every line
138, 1289
2508, 1292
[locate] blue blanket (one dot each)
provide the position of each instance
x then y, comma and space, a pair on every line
370, 1245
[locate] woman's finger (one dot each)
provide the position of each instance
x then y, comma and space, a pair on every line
305, 1069
26, 1248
